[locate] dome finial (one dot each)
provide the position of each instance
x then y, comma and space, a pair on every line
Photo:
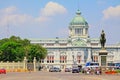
78, 12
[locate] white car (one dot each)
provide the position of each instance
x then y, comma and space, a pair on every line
55, 69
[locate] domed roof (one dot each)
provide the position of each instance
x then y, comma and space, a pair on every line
78, 19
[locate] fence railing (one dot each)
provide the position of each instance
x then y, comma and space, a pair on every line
12, 65
17, 66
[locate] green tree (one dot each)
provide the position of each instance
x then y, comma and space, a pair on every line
15, 49
37, 51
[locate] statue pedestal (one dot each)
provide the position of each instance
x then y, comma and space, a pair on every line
103, 57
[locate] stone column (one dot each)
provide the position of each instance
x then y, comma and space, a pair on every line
34, 63
84, 31
25, 63
89, 56
57, 57
82, 58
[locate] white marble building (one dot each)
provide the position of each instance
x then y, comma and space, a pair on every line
78, 48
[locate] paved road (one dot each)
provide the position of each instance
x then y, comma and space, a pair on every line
42, 75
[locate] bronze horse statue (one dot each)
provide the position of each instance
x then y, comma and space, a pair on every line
102, 39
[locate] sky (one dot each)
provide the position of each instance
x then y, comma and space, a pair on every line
44, 19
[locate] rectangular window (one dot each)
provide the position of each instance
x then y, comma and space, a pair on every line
50, 44
78, 31
94, 44
63, 44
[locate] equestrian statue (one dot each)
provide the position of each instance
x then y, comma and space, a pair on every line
102, 40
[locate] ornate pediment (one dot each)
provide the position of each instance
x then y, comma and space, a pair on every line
79, 42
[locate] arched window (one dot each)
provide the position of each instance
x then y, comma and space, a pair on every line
50, 57
95, 58
63, 58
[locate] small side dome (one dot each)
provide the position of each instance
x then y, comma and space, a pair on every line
78, 19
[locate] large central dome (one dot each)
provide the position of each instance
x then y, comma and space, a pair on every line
78, 27
78, 19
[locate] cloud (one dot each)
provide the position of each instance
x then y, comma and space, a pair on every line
15, 19
111, 12
20, 22
110, 23
8, 10
10, 15
51, 9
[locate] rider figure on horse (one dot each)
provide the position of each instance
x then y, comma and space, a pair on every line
102, 40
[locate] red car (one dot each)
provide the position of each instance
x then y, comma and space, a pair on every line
67, 69
2, 71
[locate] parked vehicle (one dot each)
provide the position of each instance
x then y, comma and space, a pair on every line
55, 69
92, 64
2, 71
75, 70
67, 69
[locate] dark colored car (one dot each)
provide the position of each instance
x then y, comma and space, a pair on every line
67, 69
2, 71
75, 70
54, 69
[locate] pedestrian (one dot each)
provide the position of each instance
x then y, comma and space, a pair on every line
29, 69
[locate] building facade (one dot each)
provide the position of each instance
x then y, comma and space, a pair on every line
78, 48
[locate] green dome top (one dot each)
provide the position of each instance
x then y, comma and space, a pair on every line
78, 19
